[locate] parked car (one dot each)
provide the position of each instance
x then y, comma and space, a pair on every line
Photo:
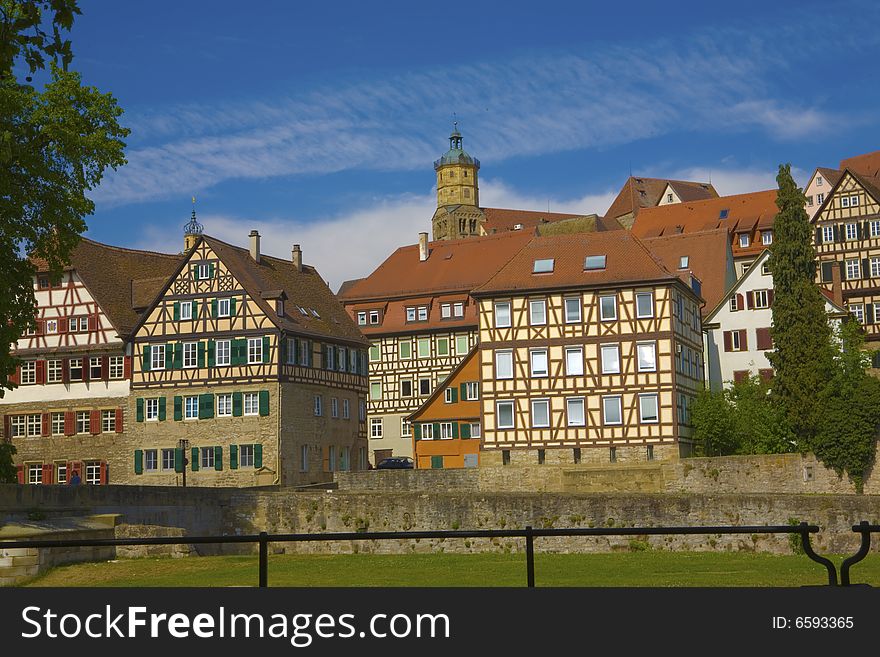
396, 463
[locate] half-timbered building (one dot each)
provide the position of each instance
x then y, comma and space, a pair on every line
247, 371
68, 414
591, 350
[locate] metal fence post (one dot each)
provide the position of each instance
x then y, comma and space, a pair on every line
864, 548
264, 560
808, 550
530, 557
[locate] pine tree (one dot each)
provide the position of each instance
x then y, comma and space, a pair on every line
803, 356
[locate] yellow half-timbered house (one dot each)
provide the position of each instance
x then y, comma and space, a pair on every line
590, 350
247, 371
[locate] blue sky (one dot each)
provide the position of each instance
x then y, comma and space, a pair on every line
317, 123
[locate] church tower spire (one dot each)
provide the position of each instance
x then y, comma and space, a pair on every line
457, 174
192, 230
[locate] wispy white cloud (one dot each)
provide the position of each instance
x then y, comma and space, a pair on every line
520, 107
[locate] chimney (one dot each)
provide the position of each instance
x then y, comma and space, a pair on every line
297, 257
423, 247
255, 245
837, 285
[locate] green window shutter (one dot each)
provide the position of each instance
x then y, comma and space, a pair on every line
218, 458
465, 430
200, 354
436, 462
176, 310
233, 457
463, 388
282, 341
455, 429
436, 430
212, 349
232, 307
195, 272
195, 310
161, 409
258, 456
235, 352
139, 414
417, 431
266, 341
194, 459
309, 352
213, 307
138, 461
264, 402
454, 395
178, 408
236, 404
145, 359
210, 270
178, 459
169, 356
206, 406
178, 355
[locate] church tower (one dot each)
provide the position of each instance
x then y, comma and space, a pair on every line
458, 192
192, 230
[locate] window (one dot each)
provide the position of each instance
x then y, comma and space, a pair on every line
648, 413
471, 391
852, 232
406, 388
95, 369
874, 228
424, 347
305, 352
853, 269
644, 304
427, 431
319, 405
35, 473
34, 425
108, 421
574, 412
223, 308
424, 387
765, 269
683, 262
445, 430
574, 361
304, 458
610, 359
442, 346
543, 266
340, 359
475, 430
540, 413
611, 411
844, 202
411, 314
502, 315
458, 309
669, 197
858, 310
245, 456
374, 353
760, 299
334, 407
75, 366
207, 457
735, 341
93, 472
445, 310
504, 415
151, 409
743, 240
185, 310
810, 201
376, 427
191, 407
537, 312
766, 237
820, 198
818, 181
362, 318
116, 366
167, 459
53, 371
572, 310
222, 352
374, 317
255, 350
83, 423
875, 267
828, 233
405, 428
594, 262
203, 272
449, 395
151, 460
157, 357
57, 424
28, 372
375, 390
189, 354
538, 362
461, 345
19, 426
224, 404
734, 306
346, 409
647, 356
608, 308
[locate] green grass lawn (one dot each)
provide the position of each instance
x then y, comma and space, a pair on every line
649, 568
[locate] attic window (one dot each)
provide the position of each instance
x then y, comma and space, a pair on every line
683, 262
315, 313
517, 226
543, 266
594, 262
303, 311
723, 214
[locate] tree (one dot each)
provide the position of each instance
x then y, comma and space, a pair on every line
8, 474
55, 144
803, 355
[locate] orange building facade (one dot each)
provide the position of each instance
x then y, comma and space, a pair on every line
446, 429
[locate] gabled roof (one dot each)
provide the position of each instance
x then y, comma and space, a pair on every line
627, 261
871, 185
501, 219
452, 266
709, 258
440, 388
830, 175
867, 164
119, 279
638, 193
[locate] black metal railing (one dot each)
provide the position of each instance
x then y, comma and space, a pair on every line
528, 533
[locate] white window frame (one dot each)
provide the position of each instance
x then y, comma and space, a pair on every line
83, 422
653, 349
642, 295
190, 355
424, 391
766, 237
35, 473
572, 303
186, 310
151, 409
602, 316
377, 428
574, 355
250, 403
224, 404
471, 391
28, 372
445, 310
537, 312
202, 272
191, 407
760, 299
734, 306
852, 231
535, 403
56, 420
459, 351
442, 346
426, 352
619, 403
743, 240
222, 352
374, 317
362, 318
304, 458
206, 458
346, 409
54, 370
505, 403
458, 309
734, 341
224, 307
157, 357
476, 430
615, 348
151, 460
446, 431
167, 463
255, 351
828, 233
874, 227
318, 405
447, 395
575, 401
656, 401
844, 202
423, 313
875, 267
502, 358
377, 387
18, 425
853, 269
427, 431
246, 456
334, 407
506, 308
537, 354
405, 428
116, 367
108, 421
34, 424
411, 313
858, 311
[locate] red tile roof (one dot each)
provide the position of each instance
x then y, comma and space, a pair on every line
501, 219
867, 164
638, 193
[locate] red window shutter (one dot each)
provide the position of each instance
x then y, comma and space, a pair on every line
126, 367
105, 368
65, 370
118, 420
16, 376
40, 327
41, 372
740, 375
749, 300
48, 471
86, 361
739, 302
95, 422
103, 474
20, 472
46, 427
769, 297
63, 324
762, 336
743, 340
766, 374
7, 427
728, 341
69, 423
93, 322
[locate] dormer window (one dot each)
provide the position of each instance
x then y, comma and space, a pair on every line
445, 310
458, 309
543, 266
683, 262
594, 262
279, 307
362, 318
767, 237
303, 311
315, 313
723, 214
669, 198
417, 314
374, 317
517, 226
743, 240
